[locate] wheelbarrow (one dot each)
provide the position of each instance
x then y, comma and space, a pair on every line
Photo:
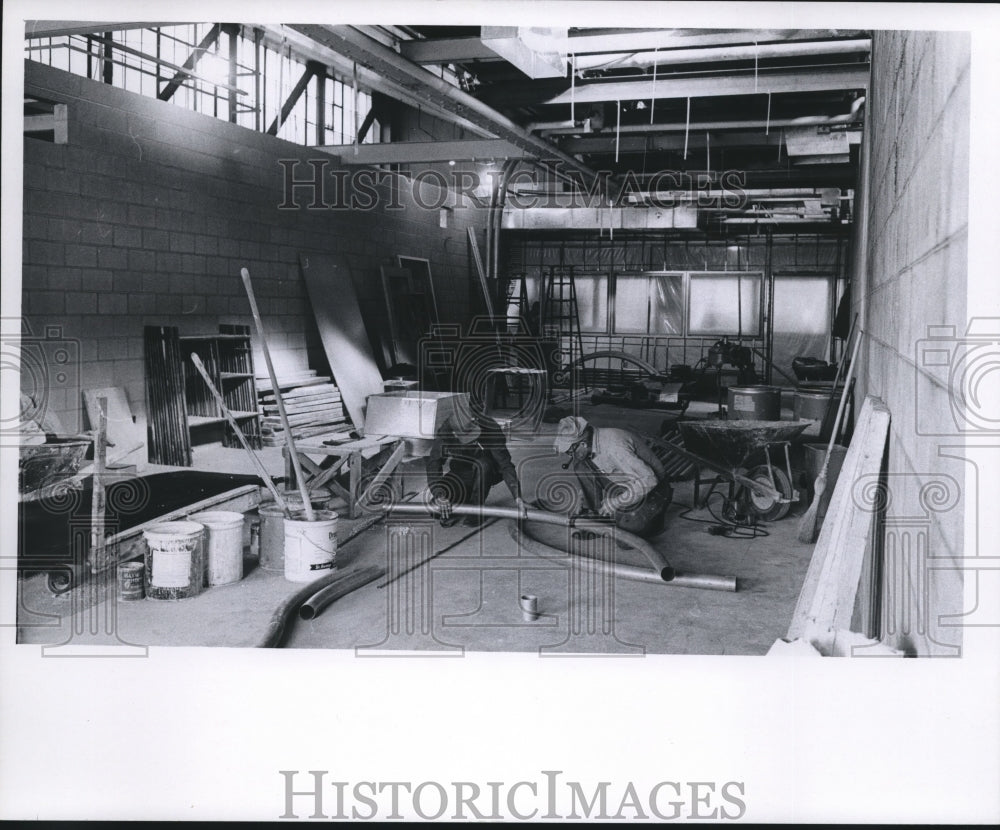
740, 452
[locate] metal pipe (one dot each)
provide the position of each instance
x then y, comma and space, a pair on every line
707, 581
328, 594
674, 57
662, 568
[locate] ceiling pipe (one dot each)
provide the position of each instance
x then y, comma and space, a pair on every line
677, 127
424, 85
644, 60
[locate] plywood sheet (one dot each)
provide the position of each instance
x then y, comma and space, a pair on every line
342, 331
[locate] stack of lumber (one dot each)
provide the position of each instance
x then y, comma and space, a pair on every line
313, 406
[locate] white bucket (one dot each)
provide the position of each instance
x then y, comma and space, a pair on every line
175, 564
224, 545
310, 547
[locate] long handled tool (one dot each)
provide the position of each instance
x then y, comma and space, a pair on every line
825, 423
807, 524
239, 434
292, 454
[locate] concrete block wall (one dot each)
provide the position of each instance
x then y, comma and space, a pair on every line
913, 273
150, 211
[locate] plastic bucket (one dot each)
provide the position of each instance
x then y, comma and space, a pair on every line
813, 462
272, 537
310, 547
812, 406
755, 403
224, 545
175, 560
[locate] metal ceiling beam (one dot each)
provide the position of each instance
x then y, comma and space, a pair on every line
447, 50
716, 54
426, 87
632, 40
606, 143
798, 80
63, 28
415, 152
282, 37
293, 97
188, 66
746, 124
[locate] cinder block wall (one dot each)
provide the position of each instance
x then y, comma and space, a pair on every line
916, 251
147, 215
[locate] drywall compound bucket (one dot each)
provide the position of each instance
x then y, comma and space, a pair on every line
175, 562
224, 545
755, 403
310, 547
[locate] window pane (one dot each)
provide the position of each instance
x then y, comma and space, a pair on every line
801, 319
632, 304
717, 301
667, 313
592, 302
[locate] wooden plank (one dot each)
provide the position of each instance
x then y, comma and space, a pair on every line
342, 331
826, 601
123, 431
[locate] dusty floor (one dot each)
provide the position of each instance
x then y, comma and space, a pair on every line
468, 597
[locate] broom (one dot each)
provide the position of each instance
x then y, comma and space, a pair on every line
807, 524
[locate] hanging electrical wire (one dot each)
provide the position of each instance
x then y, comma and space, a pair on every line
687, 127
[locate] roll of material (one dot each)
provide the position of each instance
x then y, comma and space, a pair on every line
529, 607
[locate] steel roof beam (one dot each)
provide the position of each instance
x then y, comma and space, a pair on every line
829, 78
424, 87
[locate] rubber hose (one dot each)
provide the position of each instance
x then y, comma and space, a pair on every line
313, 607
279, 619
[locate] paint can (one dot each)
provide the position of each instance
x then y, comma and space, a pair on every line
223, 545
529, 607
130, 579
175, 560
755, 403
310, 547
272, 537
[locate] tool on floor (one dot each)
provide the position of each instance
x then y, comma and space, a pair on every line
306, 506
435, 555
807, 525
279, 500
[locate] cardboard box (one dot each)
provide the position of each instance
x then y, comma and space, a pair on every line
411, 413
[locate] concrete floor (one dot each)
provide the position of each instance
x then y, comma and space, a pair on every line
468, 597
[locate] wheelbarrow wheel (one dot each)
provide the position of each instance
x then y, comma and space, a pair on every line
765, 508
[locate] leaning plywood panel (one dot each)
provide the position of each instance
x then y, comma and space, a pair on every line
345, 341
826, 602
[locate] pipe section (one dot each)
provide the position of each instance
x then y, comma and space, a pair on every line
707, 581
664, 570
